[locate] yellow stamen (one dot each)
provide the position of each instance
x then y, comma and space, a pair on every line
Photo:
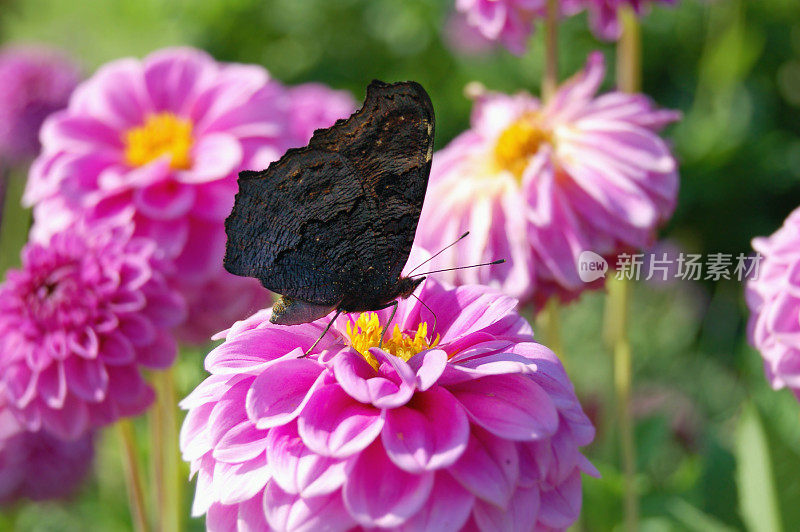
367, 333
161, 134
518, 143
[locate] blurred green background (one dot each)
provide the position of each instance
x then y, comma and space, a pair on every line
717, 449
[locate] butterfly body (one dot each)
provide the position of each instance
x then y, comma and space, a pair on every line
330, 226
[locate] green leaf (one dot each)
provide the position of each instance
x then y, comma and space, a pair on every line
755, 477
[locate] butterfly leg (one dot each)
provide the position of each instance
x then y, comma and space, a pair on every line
308, 351
393, 304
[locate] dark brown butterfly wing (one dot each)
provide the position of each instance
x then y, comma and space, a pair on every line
338, 217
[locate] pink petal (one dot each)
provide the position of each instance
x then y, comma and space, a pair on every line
221, 518
285, 511
200, 258
165, 200
52, 385
228, 412
377, 493
249, 352
430, 432
388, 388
115, 94
74, 133
333, 424
448, 507
129, 390
251, 516
562, 505
159, 354
483, 364
139, 330
520, 515
173, 76
510, 406
116, 350
194, 438
214, 157
489, 468
429, 366
241, 443
297, 469
87, 379
214, 200
69, 422
241, 481
282, 390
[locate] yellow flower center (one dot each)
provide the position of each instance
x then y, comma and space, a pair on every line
161, 134
366, 333
518, 143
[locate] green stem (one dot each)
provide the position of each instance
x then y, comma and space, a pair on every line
629, 52
629, 79
164, 455
4, 176
617, 334
550, 77
133, 477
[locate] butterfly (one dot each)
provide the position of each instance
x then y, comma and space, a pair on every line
330, 226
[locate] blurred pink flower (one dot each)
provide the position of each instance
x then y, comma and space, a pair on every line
466, 424
160, 142
537, 184
36, 81
604, 15
78, 322
465, 38
774, 301
37, 465
510, 22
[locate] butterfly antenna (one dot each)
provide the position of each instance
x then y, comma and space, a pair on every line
308, 351
459, 239
429, 310
393, 304
498, 261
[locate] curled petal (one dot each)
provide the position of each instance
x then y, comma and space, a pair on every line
447, 509
392, 386
281, 391
334, 424
430, 432
290, 512
489, 468
377, 493
297, 469
510, 406
521, 512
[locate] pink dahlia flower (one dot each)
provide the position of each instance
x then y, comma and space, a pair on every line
460, 422
35, 82
37, 465
85, 314
159, 142
604, 15
510, 22
537, 184
774, 301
